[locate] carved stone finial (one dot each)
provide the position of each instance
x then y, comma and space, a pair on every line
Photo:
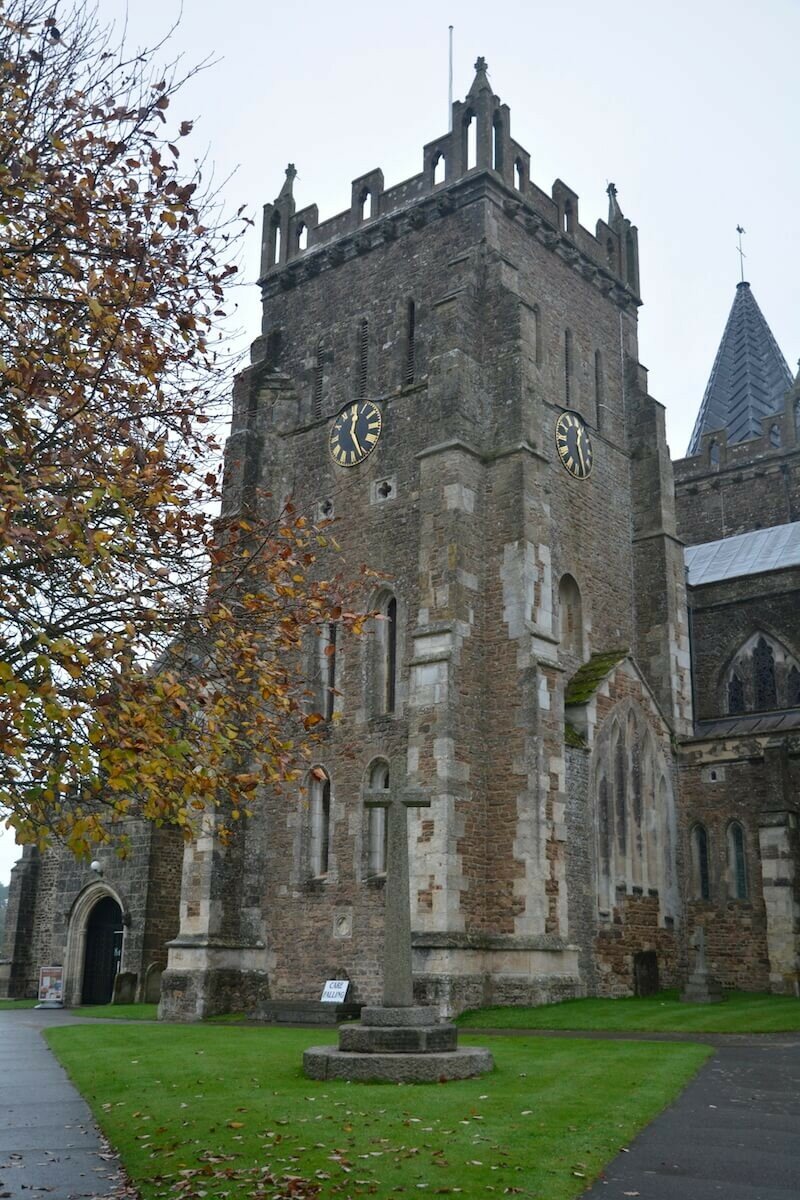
480, 63
291, 173
614, 210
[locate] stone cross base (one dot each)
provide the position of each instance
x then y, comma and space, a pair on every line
702, 988
397, 1045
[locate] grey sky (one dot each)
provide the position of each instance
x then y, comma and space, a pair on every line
690, 108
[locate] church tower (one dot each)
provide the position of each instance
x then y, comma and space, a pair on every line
448, 371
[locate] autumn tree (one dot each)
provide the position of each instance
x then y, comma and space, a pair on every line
149, 658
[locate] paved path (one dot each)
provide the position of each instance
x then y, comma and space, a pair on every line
733, 1134
50, 1148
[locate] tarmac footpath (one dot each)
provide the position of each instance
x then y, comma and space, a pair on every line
50, 1147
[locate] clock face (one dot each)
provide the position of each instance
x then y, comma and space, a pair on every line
355, 433
573, 445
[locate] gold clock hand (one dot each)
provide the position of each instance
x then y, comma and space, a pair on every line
578, 447
353, 434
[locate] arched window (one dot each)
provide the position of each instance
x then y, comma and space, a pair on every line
775, 434
611, 252
604, 837
409, 368
365, 204
793, 688
439, 168
567, 217
274, 249
363, 357
713, 453
599, 389
568, 366
519, 175
377, 825
764, 676
735, 695
319, 364
470, 140
537, 333
702, 883
570, 616
737, 862
302, 236
497, 130
320, 822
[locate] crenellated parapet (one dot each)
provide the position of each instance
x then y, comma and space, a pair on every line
478, 151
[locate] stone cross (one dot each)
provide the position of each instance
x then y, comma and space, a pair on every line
398, 990
699, 943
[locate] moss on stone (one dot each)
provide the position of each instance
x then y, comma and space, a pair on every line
587, 680
573, 738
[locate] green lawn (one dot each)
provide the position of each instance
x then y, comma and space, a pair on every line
120, 1012
740, 1012
5, 1005
204, 1111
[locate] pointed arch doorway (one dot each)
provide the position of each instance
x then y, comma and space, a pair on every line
104, 930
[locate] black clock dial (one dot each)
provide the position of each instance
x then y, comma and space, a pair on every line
574, 445
355, 433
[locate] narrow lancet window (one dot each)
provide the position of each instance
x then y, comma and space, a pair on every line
567, 366
737, 862
390, 692
702, 880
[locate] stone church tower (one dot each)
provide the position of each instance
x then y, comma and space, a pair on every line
449, 370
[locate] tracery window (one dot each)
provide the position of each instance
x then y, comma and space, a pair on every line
635, 823
762, 676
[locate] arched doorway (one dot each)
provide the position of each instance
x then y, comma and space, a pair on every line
103, 951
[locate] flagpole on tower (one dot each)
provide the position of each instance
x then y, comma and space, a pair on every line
742, 255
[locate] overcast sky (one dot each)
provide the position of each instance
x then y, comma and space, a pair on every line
691, 108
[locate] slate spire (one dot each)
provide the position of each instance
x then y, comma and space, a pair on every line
749, 378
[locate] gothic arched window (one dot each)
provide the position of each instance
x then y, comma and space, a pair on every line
700, 863
737, 862
568, 366
384, 671
764, 676
319, 363
570, 616
775, 435
621, 790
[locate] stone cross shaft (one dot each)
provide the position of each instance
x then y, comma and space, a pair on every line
398, 990
699, 943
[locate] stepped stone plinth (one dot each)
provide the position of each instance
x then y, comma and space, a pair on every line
397, 1045
397, 1041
